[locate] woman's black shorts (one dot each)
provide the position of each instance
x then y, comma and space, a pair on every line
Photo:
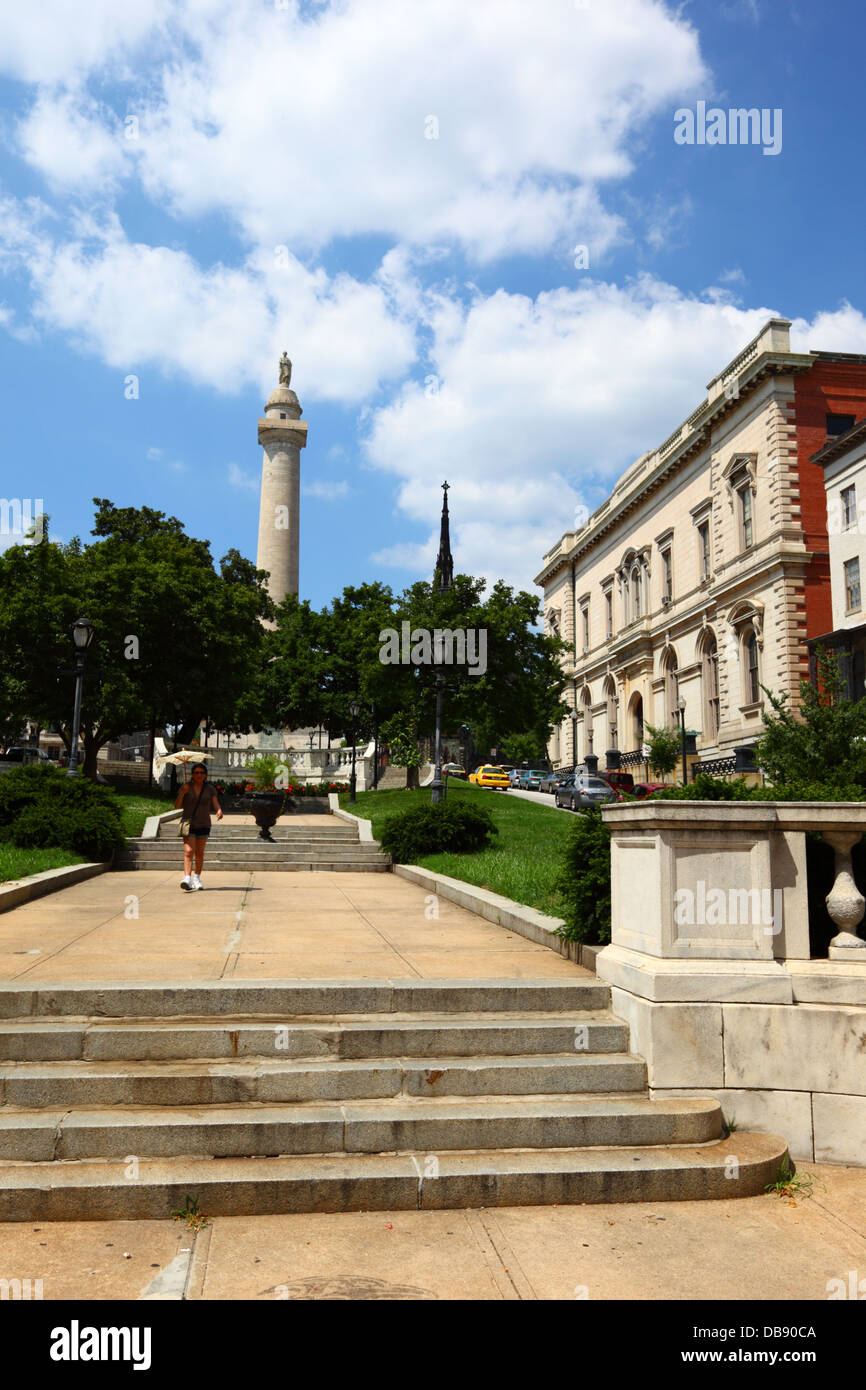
197, 833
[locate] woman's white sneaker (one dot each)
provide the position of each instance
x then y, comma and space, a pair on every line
186, 884
196, 881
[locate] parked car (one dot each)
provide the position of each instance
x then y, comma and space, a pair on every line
622, 781
19, 757
553, 779
24, 754
562, 794
454, 770
488, 776
530, 779
645, 789
583, 790
514, 777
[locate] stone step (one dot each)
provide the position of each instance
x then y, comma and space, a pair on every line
246, 863
281, 848
102, 1190
428, 1125
283, 1080
299, 834
354, 1037
291, 999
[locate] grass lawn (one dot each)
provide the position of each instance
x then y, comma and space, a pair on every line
20, 863
523, 863
136, 809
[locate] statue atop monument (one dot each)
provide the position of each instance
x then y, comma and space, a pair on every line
285, 370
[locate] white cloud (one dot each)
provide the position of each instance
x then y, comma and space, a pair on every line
326, 491
303, 127
238, 478
66, 40
222, 326
543, 403
72, 140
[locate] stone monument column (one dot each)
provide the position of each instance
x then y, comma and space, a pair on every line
282, 434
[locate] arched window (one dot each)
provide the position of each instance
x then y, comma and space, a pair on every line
586, 702
635, 721
751, 667
635, 593
710, 678
672, 687
610, 699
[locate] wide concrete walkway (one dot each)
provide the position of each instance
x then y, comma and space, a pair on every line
138, 925
757, 1248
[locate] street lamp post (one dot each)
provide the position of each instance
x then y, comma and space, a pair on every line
375, 747
82, 636
437, 786
681, 706
354, 710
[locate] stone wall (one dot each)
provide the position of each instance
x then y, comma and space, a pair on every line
709, 964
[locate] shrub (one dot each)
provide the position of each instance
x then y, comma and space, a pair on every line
448, 826
43, 808
707, 788
584, 881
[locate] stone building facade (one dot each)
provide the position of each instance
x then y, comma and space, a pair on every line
706, 571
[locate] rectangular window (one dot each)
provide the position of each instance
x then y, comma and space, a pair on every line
852, 585
584, 613
849, 506
838, 424
608, 613
704, 540
667, 575
745, 495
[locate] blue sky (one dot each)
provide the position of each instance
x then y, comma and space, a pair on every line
187, 189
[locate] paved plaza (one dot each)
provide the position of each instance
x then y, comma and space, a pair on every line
138, 926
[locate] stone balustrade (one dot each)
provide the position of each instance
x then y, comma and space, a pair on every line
710, 963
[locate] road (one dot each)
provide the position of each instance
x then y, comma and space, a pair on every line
542, 798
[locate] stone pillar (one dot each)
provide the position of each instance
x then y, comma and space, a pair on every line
282, 435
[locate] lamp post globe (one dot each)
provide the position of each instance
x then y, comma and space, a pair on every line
82, 634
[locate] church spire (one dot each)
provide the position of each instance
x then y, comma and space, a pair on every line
444, 575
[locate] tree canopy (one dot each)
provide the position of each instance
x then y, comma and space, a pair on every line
175, 639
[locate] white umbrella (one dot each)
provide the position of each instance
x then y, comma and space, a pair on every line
182, 757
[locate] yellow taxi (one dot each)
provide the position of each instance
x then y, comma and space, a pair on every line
488, 776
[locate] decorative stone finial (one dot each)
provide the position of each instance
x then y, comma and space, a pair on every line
285, 370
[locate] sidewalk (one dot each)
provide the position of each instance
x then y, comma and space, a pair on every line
758, 1248
138, 925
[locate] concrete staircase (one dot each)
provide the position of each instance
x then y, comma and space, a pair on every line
332, 846
263, 1097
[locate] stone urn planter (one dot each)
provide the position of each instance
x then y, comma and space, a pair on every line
266, 809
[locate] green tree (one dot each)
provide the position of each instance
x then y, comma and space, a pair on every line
400, 732
664, 749
824, 744
523, 748
175, 640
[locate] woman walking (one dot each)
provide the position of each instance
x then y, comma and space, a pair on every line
196, 803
